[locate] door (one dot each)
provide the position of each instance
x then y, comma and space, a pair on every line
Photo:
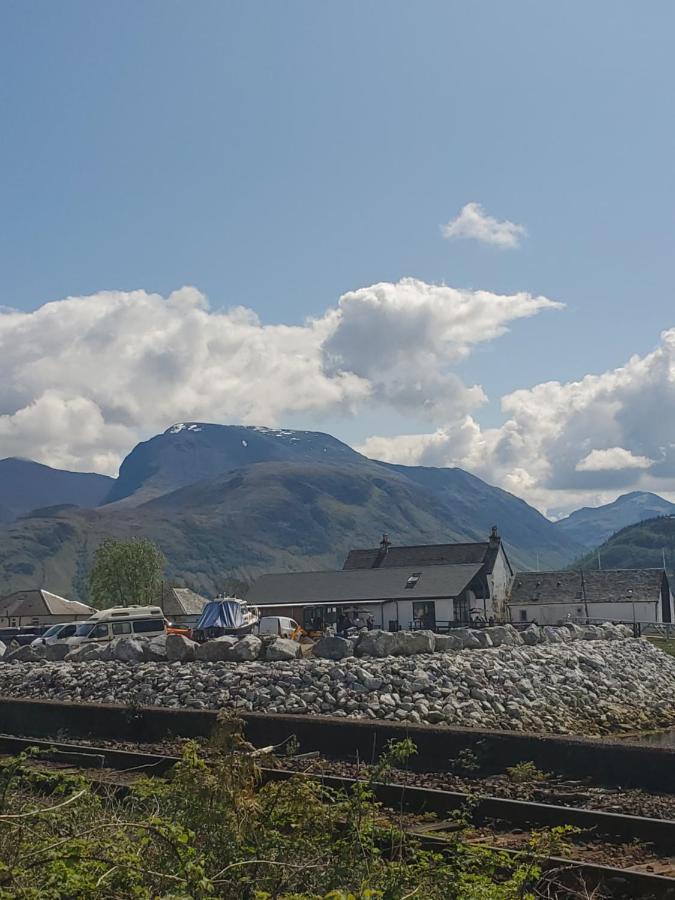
424, 614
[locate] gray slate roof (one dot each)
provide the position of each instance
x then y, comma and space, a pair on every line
357, 585
420, 555
606, 585
41, 603
182, 602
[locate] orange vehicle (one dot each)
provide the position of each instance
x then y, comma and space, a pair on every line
173, 628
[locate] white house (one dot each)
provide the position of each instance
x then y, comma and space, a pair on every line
431, 586
626, 595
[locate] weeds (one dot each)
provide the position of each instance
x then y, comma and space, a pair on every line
525, 773
215, 830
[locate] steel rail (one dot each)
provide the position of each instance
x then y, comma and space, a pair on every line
478, 808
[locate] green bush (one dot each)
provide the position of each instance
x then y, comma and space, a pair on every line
214, 830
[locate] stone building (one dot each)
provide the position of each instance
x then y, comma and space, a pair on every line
623, 595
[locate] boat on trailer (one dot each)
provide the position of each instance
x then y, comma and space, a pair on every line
225, 616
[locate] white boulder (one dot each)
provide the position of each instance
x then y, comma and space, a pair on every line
22, 654
483, 638
247, 648
57, 652
155, 649
283, 648
467, 637
216, 650
499, 635
446, 642
410, 643
333, 647
82, 652
129, 649
375, 643
531, 635
180, 648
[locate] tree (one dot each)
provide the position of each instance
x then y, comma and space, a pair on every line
126, 572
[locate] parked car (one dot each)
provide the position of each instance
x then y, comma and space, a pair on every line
55, 633
15, 636
119, 621
282, 626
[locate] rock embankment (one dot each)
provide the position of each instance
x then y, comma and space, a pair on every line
581, 687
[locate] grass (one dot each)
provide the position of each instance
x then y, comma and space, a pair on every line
668, 646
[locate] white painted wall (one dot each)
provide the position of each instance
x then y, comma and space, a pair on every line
500, 585
17, 621
555, 613
403, 611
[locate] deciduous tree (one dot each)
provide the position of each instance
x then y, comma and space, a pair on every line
126, 572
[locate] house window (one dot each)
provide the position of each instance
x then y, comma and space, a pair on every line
424, 614
523, 615
412, 581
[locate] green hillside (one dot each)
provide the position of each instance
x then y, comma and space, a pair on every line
272, 517
643, 545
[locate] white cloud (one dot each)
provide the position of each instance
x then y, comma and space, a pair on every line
612, 459
83, 379
563, 445
473, 222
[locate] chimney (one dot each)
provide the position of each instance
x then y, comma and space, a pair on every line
494, 536
385, 543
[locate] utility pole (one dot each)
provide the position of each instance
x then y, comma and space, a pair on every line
599, 563
584, 597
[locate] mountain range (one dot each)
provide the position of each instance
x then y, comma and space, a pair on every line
591, 526
230, 502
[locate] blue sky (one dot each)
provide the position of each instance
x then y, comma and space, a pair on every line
278, 155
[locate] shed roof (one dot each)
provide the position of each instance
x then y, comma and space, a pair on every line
182, 602
39, 602
362, 585
597, 586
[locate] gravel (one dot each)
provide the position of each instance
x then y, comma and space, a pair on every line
581, 687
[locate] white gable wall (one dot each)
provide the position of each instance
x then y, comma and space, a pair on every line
557, 613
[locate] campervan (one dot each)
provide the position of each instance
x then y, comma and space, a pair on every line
119, 621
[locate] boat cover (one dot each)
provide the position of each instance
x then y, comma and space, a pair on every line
221, 614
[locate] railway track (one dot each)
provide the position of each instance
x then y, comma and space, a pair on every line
495, 822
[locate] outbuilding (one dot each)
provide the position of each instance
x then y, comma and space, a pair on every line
182, 605
40, 607
619, 595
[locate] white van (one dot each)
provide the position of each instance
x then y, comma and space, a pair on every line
279, 625
56, 633
120, 621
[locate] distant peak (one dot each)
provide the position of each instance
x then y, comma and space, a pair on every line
184, 426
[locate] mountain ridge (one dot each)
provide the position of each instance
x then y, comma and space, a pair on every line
303, 501
26, 485
592, 526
